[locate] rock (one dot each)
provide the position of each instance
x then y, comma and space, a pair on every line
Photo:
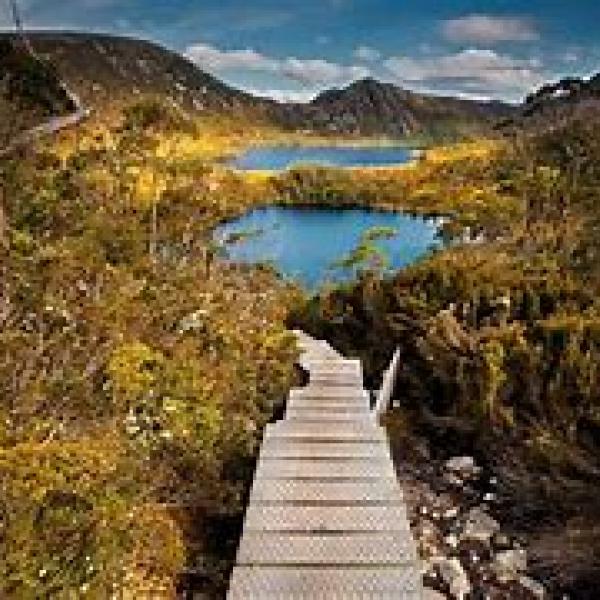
430, 594
532, 586
464, 466
451, 540
451, 513
500, 541
489, 497
509, 564
479, 526
454, 576
452, 480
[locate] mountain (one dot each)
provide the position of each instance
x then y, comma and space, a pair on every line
556, 103
369, 107
107, 70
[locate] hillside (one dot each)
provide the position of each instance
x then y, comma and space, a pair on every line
369, 107
554, 104
30, 91
107, 71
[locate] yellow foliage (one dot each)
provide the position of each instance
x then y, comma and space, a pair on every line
133, 369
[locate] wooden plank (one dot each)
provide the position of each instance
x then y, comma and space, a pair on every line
324, 416
326, 492
266, 583
327, 393
320, 391
294, 468
321, 519
307, 549
286, 449
332, 431
359, 407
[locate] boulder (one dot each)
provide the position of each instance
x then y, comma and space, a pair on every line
463, 466
535, 588
508, 565
454, 577
500, 541
479, 526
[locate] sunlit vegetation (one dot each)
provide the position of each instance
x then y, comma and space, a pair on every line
137, 369
455, 181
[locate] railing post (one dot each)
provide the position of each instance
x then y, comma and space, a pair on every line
387, 385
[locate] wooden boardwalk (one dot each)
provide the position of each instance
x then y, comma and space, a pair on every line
326, 518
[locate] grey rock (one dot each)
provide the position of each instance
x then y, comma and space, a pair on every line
430, 594
463, 466
533, 586
479, 526
454, 576
509, 564
500, 541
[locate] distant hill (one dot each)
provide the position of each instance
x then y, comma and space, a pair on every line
556, 103
107, 70
369, 107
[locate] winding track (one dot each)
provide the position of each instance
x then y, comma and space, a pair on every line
326, 518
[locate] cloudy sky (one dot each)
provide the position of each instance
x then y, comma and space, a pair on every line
291, 49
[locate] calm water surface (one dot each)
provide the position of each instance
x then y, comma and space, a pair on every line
278, 158
304, 243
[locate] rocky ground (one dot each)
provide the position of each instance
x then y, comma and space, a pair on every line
466, 553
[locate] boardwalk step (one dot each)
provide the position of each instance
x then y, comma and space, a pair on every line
268, 583
329, 393
326, 517
309, 549
326, 415
326, 492
329, 519
350, 406
286, 449
359, 468
319, 432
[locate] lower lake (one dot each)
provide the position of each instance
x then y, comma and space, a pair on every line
279, 158
307, 244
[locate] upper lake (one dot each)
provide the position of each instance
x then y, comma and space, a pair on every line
279, 158
306, 243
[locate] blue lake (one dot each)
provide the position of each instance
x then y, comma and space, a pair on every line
305, 243
279, 158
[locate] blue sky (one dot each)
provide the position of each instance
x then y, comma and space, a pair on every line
495, 49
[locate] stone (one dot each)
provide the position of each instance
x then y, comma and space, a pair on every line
452, 480
451, 513
500, 541
479, 526
454, 576
535, 588
509, 564
431, 594
451, 540
464, 466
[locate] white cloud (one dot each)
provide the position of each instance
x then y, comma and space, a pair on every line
367, 54
490, 29
309, 72
482, 73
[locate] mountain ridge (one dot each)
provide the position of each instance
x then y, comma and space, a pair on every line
106, 70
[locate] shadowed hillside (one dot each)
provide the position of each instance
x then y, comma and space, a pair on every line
30, 90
